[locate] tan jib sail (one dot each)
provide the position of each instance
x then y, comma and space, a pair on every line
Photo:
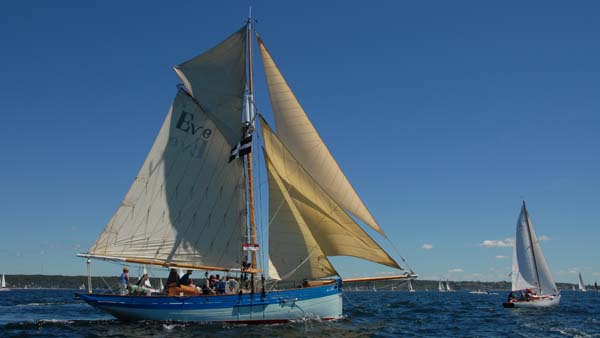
217, 80
185, 207
292, 246
301, 138
301, 211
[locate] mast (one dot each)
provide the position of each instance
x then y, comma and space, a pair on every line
537, 274
248, 129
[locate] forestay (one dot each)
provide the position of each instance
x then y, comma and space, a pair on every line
302, 139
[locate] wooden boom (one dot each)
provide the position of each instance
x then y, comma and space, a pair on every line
378, 278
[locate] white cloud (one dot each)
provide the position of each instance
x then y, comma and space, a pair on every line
544, 238
456, 270
501, 256
427, 246
494, 243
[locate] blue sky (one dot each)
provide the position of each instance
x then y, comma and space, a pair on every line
442, 115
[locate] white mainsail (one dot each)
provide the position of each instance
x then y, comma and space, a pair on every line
305, 222
441, 287
3, 285
448, 286
581, 285
302, 139
186, 206
530, 270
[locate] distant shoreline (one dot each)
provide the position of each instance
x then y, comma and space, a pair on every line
55, 282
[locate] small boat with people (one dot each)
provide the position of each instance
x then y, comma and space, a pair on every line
532, 283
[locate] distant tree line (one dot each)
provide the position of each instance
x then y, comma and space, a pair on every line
98, 282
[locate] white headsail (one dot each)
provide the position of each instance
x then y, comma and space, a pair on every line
186, 205
302, 139
581, 285
530, 269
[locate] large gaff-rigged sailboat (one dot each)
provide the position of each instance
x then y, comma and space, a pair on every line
532, 283
192, 203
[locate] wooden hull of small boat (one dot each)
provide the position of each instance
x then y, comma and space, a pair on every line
541, 303
320, 303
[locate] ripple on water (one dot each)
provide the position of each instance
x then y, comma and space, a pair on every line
374, 314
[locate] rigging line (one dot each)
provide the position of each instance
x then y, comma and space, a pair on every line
299, 265
401, 257
293, 270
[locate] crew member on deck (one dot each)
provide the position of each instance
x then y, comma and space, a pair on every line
186, 279
124, 281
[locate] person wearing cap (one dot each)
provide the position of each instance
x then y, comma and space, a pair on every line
124, 281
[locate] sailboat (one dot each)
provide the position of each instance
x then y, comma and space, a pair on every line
581, 284
3, 284
441, 287
192, 205
448, 286
532, 283
410, 287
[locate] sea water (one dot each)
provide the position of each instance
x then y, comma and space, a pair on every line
57, 313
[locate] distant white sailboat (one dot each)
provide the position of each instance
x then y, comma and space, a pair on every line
3, 284
448, 289
441, 287
532, 283
581, 285
410, 287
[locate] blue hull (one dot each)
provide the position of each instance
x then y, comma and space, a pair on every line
320, 302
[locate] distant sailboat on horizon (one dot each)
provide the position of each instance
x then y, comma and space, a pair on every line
410, 286
3, 284
448, 288
532, 283
441, 287
581, 284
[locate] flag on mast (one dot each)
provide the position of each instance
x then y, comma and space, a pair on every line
244, 147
